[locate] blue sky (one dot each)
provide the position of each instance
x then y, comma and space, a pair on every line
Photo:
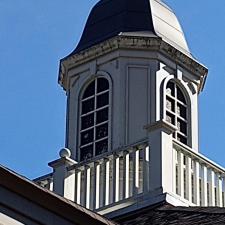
34, 35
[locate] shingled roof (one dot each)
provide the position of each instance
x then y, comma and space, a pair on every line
69, 210
169, 215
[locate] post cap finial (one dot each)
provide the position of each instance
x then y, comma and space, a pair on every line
65, 153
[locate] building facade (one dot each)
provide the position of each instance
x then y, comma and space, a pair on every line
132, 89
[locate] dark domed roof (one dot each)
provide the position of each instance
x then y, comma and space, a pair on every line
110, 18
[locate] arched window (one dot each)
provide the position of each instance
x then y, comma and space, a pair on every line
94, 119
176, 111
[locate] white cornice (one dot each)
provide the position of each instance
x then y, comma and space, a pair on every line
131, 43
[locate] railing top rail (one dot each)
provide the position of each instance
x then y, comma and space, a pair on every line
203, 159
106, 155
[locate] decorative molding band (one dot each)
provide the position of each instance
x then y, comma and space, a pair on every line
131, 43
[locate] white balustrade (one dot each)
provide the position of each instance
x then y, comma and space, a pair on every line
125, 174
199, 180
112, 178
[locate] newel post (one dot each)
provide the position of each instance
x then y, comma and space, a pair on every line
64, 179
162, 162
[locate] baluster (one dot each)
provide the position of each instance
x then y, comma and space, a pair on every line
87, 185
175, 171
102, 182
136, 157
50, 187
181, 174
219, 191
126, 176
92, 185
97, 186
107, 182
212, 189
146, 169
113, 179
117, 178
196, 184
188, 179
78, 199
204, 186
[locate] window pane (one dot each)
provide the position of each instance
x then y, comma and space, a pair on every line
102, 131
102, 115
101, 147
181, 111
170, 118
102, 85
90, 90
87, 137
88, 105
170, 104
180, 95
103, 100
87, 121
170, 89
182, 126
182, 139
86, 152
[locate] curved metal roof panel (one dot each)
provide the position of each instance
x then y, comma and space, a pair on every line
110, 18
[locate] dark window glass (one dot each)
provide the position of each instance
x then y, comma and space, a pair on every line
103, 100
182, 139
102, 85
176, 111
170, 89
93, 121
182, 111
87, 137
90, 90
87, 121
180, 96
182, 126
102, 131
88, 105
101, 147
86, 152
102, 115
170, 118
170, 104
